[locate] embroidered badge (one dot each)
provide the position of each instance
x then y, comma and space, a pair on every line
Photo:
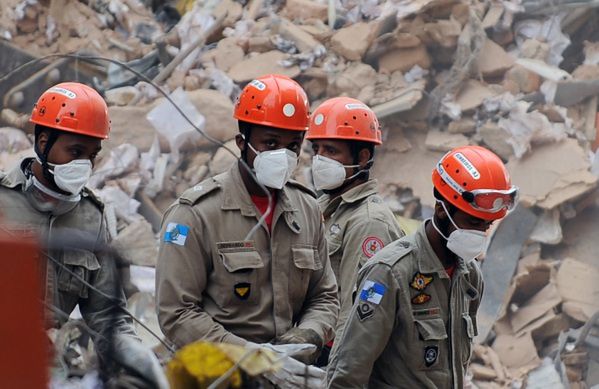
371, 246
242, 290
421, 298
420, 281
431, 353
335, 229
365, 311
176, 234
372, 292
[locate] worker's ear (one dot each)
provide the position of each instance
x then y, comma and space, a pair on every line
440, 213
240, 141
363, 157
42, 140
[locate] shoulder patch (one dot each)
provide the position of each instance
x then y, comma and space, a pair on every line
93, 197
195, 193
302, 187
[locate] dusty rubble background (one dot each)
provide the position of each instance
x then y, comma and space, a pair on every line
520, 77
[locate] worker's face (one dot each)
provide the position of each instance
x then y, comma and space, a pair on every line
462, 219
268, 138
69, 147
340, 151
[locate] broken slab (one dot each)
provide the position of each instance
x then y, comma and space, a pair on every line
462, 126
517, 352
522, 79
352, 81
305, 9
572, 92
417, 164
492, 60
223, 159
548, 229
261, 64
495, 138
444, 141
404, 59
137, 244
472, 95
548, 184
217, 109
352, 42
500, 262
227, 54
302, 39
539, 305
578, 286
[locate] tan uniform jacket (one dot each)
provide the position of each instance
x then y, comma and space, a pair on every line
85, 222
358, 224
214, 285
411, 326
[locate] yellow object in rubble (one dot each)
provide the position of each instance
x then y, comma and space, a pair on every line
183, 6
198, 365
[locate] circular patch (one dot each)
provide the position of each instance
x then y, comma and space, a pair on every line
288, 110
319, 119
430, 355
371, 246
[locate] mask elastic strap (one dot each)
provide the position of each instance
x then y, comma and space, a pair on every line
438, 229
43, 156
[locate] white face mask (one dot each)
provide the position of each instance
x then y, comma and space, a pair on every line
328, 173
274, 167
466, 244
72, 177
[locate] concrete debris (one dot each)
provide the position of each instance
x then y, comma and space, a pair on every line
438, 74
549, 184
257, 65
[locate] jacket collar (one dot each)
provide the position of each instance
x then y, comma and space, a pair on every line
355, 194
237, 197
428, 262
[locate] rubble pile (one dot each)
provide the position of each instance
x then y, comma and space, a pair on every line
520, 77
119, 29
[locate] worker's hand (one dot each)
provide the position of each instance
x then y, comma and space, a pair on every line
129, 352
294, 374
302, 335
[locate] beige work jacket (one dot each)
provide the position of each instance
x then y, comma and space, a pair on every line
357, 225
411, 326
214, 284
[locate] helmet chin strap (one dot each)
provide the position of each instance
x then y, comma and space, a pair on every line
43, 155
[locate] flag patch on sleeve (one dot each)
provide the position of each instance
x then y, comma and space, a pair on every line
176, 234
372, 292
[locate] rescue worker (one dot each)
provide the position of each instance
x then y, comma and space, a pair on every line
414, 314
47, 195
344, 132
215, 282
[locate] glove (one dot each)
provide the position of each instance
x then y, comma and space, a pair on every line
302, 335
129, 352
294, 374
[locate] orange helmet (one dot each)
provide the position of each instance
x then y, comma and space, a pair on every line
73, 107
476, 181
274, 101
344, 118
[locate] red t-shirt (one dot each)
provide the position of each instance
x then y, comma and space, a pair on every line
261, 202
450, 270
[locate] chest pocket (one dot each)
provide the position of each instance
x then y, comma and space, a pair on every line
431, 348
80, 262
305, 262
238, 283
